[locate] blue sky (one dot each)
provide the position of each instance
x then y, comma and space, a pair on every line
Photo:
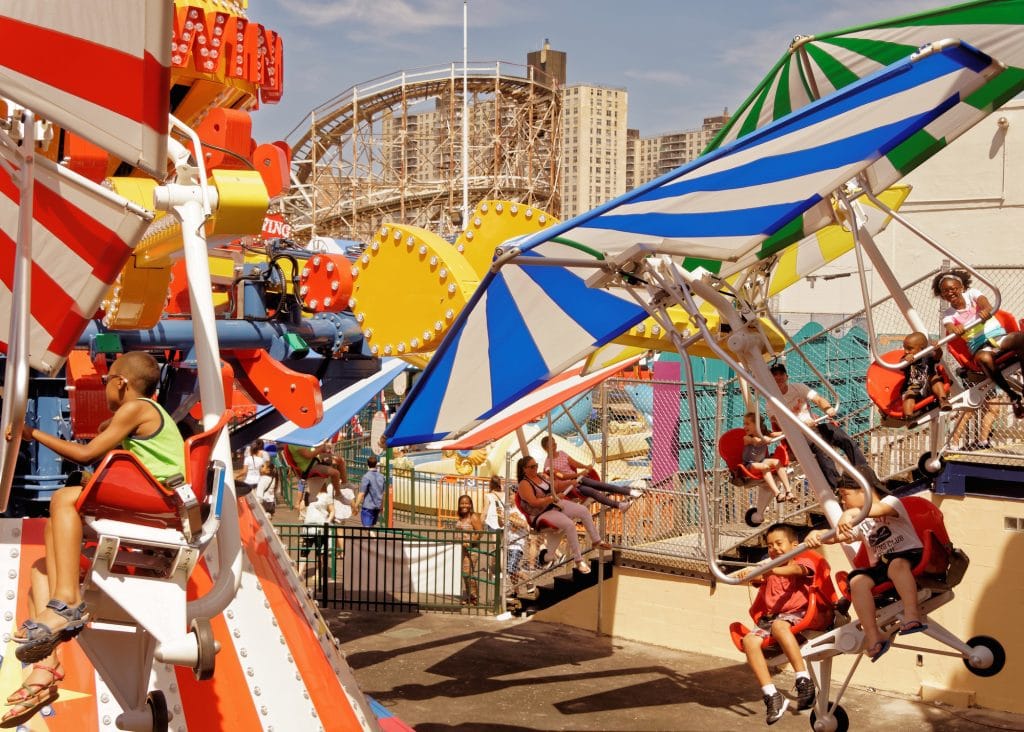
681, 60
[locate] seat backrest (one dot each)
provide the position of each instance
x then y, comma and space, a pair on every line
198, 451
885, 386
822, 584
730, 447
958, 346
931, 528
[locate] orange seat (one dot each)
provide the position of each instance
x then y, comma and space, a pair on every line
820, 606
730, 448
885, 387
122, 489
958, 346
934, 567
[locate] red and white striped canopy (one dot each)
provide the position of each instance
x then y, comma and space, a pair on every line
81, 237
99, 68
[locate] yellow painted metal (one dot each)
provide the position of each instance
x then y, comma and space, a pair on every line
408, 286
649, 336
242, 205
493, 223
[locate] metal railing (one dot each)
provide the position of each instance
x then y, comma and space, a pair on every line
397, 570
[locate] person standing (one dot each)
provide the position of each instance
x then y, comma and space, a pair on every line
370, 500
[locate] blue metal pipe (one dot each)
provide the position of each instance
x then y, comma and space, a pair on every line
332, 330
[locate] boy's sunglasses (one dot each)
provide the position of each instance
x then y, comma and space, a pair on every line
105, 379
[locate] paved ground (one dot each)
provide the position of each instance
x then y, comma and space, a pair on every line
450, 672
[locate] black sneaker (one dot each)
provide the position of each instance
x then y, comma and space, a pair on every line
775, 705
804, 693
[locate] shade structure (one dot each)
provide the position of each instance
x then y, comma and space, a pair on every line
737, 205
340, 408
543, 399
82, 235
98, 69
831, 242
815, 66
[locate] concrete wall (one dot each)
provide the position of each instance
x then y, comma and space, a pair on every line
685, 614
969, 197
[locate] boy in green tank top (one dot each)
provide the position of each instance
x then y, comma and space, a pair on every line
139, 425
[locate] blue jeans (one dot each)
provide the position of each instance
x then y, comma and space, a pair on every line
369, 516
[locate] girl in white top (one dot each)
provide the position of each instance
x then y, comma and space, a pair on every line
969, 315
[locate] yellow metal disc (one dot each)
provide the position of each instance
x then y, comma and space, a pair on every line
407, 288
492, 224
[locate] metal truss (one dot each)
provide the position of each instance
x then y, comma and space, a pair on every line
391, 150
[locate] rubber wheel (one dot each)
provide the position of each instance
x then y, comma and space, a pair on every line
838, 721
753, 517
998, 655
157, 703
207, 659
926, 470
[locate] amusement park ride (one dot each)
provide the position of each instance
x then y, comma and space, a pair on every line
126, 204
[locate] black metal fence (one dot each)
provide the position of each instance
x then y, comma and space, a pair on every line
397, 570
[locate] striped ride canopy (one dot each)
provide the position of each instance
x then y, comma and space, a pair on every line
815, 66
82, 236
737, 205
99, 68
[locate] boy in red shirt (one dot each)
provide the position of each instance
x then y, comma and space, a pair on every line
784, 592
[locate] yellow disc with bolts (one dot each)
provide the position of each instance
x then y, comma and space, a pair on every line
492, 224
408, 286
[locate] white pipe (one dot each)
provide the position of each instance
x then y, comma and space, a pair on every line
465, 114
191, 204
16, 370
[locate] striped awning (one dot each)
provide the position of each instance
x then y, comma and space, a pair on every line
816, 66
340, 408
98, 69
737, 205
82, 235
541, 400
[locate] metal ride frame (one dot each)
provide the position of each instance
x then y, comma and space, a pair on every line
657, 282
369, 155
151, 616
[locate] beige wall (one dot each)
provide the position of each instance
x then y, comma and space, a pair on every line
684, 614
969, 197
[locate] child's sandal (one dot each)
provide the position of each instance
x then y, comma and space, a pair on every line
39, 640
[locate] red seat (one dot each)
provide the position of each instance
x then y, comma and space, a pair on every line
730, 447
938, 551
820, 606
885, 387
123, 489
958, 346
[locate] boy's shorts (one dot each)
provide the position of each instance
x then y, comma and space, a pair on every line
880, 572
764, 625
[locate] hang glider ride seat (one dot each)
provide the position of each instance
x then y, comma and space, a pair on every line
885, 388
730, 448
959, 351
941, 567
820, 607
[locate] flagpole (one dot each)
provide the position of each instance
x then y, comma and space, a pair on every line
465, 114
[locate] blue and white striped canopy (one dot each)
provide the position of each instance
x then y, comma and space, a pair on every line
739, 204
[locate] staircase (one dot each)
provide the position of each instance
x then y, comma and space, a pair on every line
560, 583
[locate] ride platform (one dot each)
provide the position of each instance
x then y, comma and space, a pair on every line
277, 668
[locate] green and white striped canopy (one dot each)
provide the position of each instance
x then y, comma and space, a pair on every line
817, 65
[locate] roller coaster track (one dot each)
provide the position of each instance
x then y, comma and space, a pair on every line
381, 150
